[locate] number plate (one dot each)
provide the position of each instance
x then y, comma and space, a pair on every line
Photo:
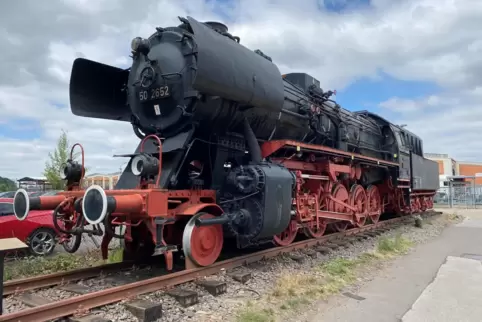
154, 93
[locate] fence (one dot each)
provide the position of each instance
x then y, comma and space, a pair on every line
459, 197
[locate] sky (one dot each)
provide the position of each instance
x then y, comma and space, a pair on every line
415, 62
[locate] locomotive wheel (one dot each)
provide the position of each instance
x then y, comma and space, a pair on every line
429, 201
312, 231
423, 204
374, 203
202, 245
338, 192
340, 226
358, 200
288, 235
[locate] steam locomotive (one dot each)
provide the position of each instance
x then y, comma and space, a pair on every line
231, 150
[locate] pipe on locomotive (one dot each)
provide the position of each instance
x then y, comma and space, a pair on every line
72, 171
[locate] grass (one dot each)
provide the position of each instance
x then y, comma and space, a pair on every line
256, 315
32, 266
292, 292
395, 246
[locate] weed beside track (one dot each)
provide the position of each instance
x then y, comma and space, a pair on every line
21, 267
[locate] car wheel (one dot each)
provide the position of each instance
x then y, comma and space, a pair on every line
42, 242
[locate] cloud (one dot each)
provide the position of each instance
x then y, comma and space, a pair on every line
436, 41
449, 122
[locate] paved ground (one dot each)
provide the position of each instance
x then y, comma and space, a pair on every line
454, 295
389, 296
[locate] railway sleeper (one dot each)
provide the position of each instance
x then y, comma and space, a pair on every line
145, 311
332, 246
310, 252
88, 318
342, 243
185, 297
214, 287
33, 300
76, 288
297, 257
241, 277
323, 249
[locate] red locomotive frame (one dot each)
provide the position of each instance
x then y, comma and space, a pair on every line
327, 193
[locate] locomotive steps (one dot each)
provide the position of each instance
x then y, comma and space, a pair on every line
228, 279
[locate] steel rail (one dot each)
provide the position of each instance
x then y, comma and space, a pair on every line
82, 303
41, 281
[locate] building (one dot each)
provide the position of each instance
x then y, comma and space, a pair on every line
449, 167
471, 169
106, 181
34, 184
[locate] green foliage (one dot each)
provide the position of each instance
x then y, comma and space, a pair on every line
252, 315
397, 245
7, 185
56, 161
116, 255
33, 266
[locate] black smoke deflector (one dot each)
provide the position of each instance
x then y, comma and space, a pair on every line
97, 91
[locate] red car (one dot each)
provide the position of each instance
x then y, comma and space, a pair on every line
37, 231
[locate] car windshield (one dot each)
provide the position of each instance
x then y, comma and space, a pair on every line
6, 208
8, 194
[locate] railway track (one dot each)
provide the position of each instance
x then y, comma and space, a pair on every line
41, 281
83, 303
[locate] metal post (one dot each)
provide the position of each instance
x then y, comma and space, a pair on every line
450, 195
2, 265
7, 245
473, 193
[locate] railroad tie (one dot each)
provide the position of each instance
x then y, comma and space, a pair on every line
297, 257
185, 297
145, 311
33, 300
88, 318
241, 277
213, 287
323, 249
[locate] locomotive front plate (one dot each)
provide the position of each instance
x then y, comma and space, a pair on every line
153, 93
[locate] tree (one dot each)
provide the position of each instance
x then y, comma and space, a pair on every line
56, 161
7, 185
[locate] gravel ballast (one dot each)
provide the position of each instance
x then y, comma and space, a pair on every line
264, 277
